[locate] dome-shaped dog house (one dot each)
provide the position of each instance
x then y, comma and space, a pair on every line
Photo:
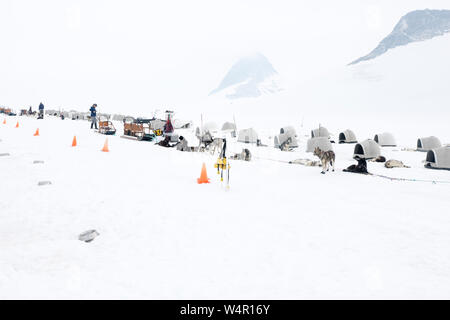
248, 136
323, 143
228, 126
211, 127
368, 149
348, 136
428, 143
385, 140
438, 158
320, 132
287, 135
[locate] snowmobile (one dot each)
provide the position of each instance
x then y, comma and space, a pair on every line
138, 129
106, 127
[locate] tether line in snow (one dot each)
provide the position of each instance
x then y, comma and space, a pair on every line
372, 174
406, 179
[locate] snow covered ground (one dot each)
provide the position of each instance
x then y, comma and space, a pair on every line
280, 232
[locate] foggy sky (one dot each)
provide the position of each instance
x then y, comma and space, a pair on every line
137, 55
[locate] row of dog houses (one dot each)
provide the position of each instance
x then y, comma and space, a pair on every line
348, 136
438, 156
287, 135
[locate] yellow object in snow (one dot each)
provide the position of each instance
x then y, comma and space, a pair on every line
221, 164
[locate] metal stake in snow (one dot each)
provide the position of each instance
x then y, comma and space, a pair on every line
201, 124
222, 164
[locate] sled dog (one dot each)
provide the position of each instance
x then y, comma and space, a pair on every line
394, 164
328, 158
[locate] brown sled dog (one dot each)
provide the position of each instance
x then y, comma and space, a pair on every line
328, 158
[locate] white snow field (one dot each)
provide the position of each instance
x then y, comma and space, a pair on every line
281, 231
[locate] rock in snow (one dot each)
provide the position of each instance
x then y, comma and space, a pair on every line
88, 236
44, 183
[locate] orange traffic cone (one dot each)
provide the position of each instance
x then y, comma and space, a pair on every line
17, 125
203, 176
105, 147
74, 141
4, 121
37, 132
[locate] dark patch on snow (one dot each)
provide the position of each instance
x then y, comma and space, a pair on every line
88, 236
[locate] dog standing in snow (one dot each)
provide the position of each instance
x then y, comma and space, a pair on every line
328, 158
217, 144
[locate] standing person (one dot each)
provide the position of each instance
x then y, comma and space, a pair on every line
94, 116
168, 127
41, 111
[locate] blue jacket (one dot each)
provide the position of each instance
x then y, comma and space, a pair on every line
41, 107
93, 111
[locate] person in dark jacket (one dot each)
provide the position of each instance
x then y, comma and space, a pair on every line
168, 127
182, 144
41, 111
93, 111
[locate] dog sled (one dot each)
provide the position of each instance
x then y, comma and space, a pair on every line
106, 127
138, 129
8, 112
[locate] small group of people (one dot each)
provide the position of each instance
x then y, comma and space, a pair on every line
181, 145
